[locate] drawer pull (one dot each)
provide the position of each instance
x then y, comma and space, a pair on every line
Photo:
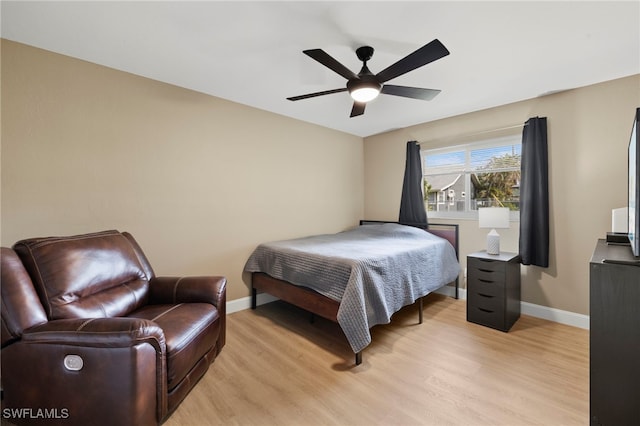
485, 295
485, 281
486, 310
486, 270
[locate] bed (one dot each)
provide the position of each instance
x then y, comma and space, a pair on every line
360, 277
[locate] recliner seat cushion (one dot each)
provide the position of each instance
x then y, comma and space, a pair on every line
190, 331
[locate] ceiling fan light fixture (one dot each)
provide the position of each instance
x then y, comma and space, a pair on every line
364, 94
364, 91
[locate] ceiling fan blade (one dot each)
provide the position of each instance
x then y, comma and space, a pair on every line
410, 92
427, 53
313, 95
328, 61
358, 109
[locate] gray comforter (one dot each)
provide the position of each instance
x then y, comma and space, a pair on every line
372, 270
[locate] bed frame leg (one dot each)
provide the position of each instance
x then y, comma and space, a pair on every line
254, 298
420, 306
457, 286
359, 358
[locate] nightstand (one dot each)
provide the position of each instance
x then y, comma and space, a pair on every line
493, 289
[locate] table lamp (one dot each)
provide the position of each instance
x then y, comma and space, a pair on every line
493, 217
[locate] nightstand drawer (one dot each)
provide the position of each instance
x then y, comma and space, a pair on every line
488, 287
485, 301
486, 265
487, 317
486, 276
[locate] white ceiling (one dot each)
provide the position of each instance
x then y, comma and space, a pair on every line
251, 52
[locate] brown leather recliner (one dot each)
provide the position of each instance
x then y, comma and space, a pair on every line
91, 336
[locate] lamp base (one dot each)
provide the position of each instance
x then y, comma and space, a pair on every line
493, 242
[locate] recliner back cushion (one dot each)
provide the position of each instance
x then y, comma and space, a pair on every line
85, 276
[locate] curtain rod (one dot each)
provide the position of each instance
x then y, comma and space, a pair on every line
482, 132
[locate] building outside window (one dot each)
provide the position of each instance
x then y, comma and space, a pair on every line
458, 180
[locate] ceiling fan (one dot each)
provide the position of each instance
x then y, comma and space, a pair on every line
365, 86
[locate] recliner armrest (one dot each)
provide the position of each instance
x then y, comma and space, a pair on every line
207, 289
98, 332
189, 290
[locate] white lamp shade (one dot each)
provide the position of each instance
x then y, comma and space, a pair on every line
493, 217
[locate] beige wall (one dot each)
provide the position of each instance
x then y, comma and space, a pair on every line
199, 181
588, 135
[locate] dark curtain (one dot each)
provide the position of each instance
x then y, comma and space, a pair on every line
534, 194
412, 203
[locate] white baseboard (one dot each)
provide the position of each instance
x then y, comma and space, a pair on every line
552, 314
526, 308
245, 302
556, 315
451, 292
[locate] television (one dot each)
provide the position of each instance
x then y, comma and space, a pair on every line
634, 186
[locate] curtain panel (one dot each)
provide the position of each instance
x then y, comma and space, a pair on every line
534, 194
412, 202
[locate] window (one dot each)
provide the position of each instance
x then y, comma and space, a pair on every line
458, 180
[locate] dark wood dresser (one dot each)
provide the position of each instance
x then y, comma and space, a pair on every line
614, 343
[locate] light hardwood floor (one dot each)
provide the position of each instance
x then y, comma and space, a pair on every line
277, 368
